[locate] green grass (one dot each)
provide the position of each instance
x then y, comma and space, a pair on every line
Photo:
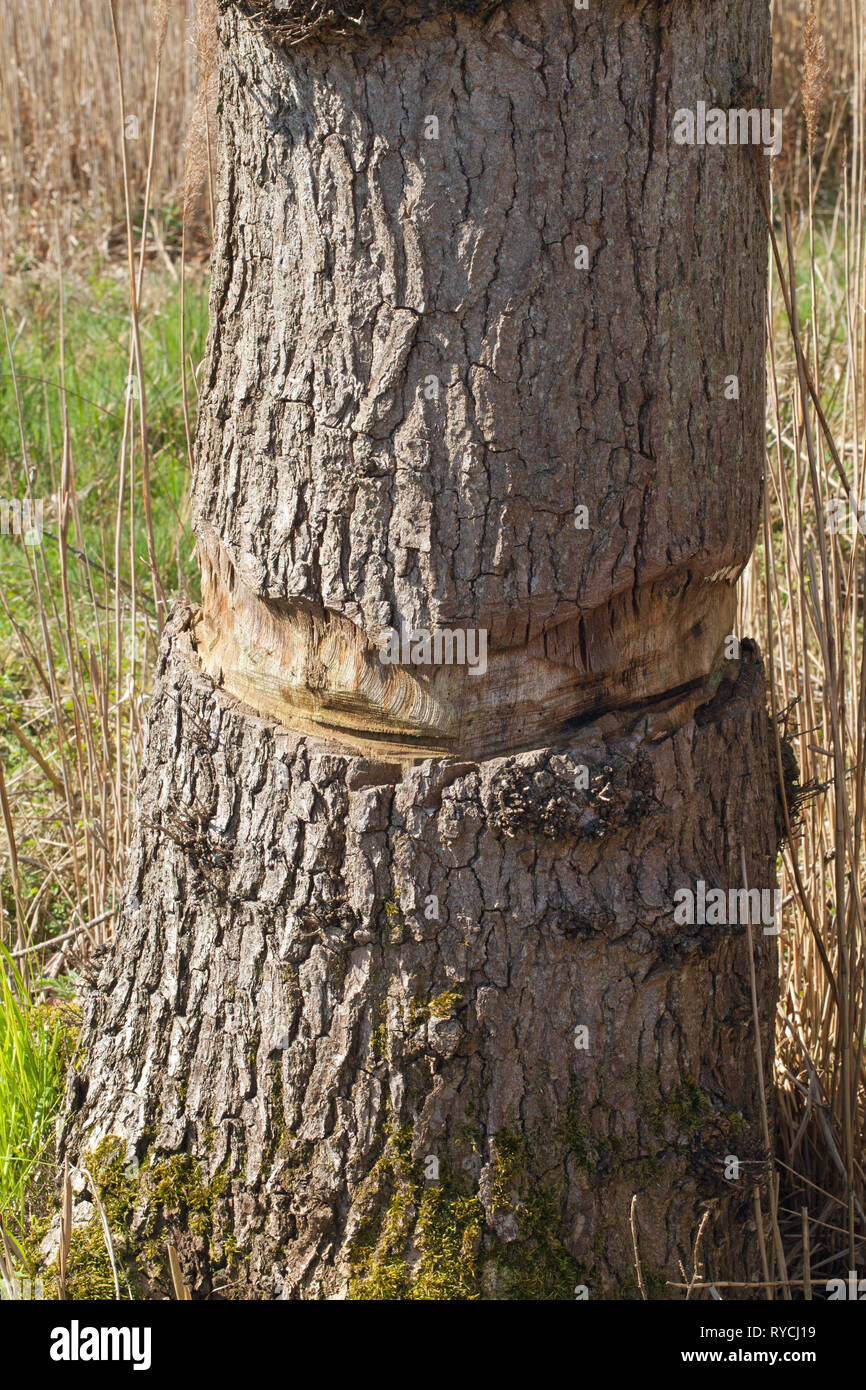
95, 351
34, 1056
37, 1037
96, 360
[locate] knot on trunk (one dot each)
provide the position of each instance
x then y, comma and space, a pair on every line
556, 795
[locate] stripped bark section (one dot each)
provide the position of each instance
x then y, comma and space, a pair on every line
315, 671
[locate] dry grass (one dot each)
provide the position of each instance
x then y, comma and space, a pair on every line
87, 645
804, 594
61, 155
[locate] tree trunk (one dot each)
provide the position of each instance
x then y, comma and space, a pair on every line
399, 975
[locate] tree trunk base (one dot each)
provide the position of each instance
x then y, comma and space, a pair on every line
423, 1032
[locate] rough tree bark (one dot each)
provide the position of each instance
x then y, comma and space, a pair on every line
398, 966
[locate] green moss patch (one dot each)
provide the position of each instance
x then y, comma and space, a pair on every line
433, 1242
164, 1193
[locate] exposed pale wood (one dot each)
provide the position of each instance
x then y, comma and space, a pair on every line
317, 673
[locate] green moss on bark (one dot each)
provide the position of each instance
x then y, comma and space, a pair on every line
434, 1242
154, 1199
